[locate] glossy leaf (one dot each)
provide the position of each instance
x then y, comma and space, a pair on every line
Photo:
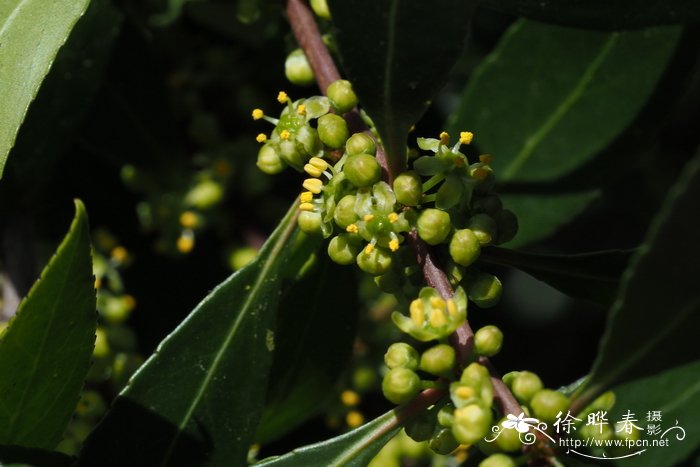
31, 33
549, 98
590, 276
654, 321
45, 351
388, 50
603, 14
313, 344
198, 398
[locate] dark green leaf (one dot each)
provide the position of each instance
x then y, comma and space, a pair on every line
589, 276
31, 32
389, 53
654, 321
15, 456
549, 98
45, 351
198, 399
604, 14
314, 341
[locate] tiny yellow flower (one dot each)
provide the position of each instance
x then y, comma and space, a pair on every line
301, 110
464, 392
393, 217
466, 137
354, 419
486, 159
282, 97
417, 312
98, 282
394, 245
352, 228
306, 207
369, 249
284, 134
261, 138
368, 217
444, 137
189, 219
119, 254
185, 243
314, 185
437, 318
258, 114
349, 398
306, 197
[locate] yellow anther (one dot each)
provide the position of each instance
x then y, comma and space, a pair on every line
189, 219
318, 163
306, 207
306, 197
261, 138
352, 228
312, 170
451, 308
464, 392
119, 254
437, 302
314, 185
369, 249
282, 97
466, 137
437, 318
444, 137
185, 243
98, 282
284, 134
258, 114
301, 110
368, 217
417, 312
479, 173
354, 419
486, 159
393, 217
349, 398
394, 245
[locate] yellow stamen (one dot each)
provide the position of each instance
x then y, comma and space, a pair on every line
352, 228
354, 419
306, 207
437, 302
306, 196
261, 138
417, 312
318, 163
258, 114
119, 254
185, 243
301, 110
98, 282
394, 245
393, 217
369, 249
284, 134
451, 308
368, 217
486, 159
437, 318
312, 170
314, 185
282, 97
466, 137
464, 392
349, 398
189, 219
444, 137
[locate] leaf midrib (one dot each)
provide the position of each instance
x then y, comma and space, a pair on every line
11, 17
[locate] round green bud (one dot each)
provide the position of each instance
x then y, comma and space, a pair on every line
485, 291
488, 341
332, 130
509, 377
364, 378
310, 222
308, 137
362, 170
547, 404
434, 226
508, 440
91, 406
489, 204
484, 227
344, 248
464, 247
290, 154
269, 161
602, 432
498, 460
297, 69
360, 143
320, 7
438, 360
446, 415
525, 385
376, 262
408, 188
421, 427
400, 385
443, 441
342, 97
471, 423
344, 213
240, 257
401, 355
205, 194
507, 226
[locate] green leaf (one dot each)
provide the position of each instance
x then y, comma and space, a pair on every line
541, 214
654, 321
198, 398
388, 50
589, 276
31, 33
45, 351
603, 14
550, 98
357, 447
19, 456
316, 333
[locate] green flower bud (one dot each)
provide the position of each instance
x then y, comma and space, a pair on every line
408, 188
308, 138
240, 257
547, 404
471, 423
498, 460
434, 226
490, 204
422, 426
344, 248
310, 222
525, 385
91, 406
360, 143
509, 377
446, 415
443, 442
464, 247
297, 69
488, 341
438, 360
205, 194
320, 7
401, 355
599, 432
477, 378
269, 161
362, 170
376, 262
332, 130
344, 213
507, 226
400, 385
508, 440
342, 96
484, 227
290, 154
485, 291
